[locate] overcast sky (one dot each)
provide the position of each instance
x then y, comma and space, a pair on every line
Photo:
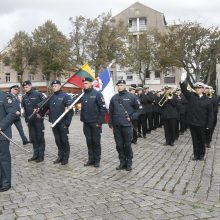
26, 15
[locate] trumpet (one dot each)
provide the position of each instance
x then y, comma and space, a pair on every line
209, 95
166, 96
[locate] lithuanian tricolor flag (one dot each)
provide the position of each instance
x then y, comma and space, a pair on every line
83, 72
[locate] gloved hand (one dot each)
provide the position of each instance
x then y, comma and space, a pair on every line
183, 77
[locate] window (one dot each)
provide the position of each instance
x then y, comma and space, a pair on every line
147, 73
119, 77
143, 21
7, 77
157, 74
19, 77
132, 22
169, 79
31, 77
129, 77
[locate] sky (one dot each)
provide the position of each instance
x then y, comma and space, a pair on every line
26, 15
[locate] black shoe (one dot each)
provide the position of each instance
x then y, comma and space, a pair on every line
140, 136
89, 163
64, 162
208, 146
171, 144
201, 158
128, 168
134, 142
32, 159
39, 160
121, 167
97, 165
148, 132
58, 160
26, 142
194, 158
165, 144
144, 136
5, 188
181, 132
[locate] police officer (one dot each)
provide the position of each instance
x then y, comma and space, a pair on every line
56, 106
14, 90
92, 115
7, 116
35, 124
132, 90
123, 108
199, 116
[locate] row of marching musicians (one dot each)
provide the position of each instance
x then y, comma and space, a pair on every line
124, 109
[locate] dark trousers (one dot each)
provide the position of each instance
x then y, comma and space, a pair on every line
149, 121
123, 136
135, 133
5, 164
170, 130
19, 127
182, 123
177, 131
36, 133
142, 126
93, 141
208, 136
198, 139
61, 132
156, 119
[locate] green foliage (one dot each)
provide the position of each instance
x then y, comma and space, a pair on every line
52, 49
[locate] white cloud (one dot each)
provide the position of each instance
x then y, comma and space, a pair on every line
27, 15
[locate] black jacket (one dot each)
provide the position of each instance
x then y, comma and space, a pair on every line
170, 109
7, 113
93, 107
57, 104
30, 102
146, 101
200, 110
122, 106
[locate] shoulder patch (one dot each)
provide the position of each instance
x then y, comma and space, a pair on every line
9, 100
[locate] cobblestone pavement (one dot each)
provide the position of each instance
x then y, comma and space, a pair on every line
164, 183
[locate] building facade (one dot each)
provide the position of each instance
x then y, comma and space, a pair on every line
140, 18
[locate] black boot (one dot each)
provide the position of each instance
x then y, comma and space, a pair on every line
58, 160
32, 158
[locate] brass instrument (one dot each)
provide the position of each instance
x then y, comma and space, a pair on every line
209, 94
166, 96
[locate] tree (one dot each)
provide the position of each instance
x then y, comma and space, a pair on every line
52, 49
192, 47
141, 54
20, 54
97, 41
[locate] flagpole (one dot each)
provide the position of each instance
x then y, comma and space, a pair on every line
67, 110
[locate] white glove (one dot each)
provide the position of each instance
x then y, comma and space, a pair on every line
183, 77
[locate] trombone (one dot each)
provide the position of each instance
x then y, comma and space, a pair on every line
166, 96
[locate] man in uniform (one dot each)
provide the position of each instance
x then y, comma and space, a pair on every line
14, 90
57, 105
147, 101
134, 121
35, 124
170, 116
7, 116
92, 115
124, 107
199, 116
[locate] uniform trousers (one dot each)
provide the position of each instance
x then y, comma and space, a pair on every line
5, 164
93, 141
123, 136
61, 132
198, 138
36, 133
